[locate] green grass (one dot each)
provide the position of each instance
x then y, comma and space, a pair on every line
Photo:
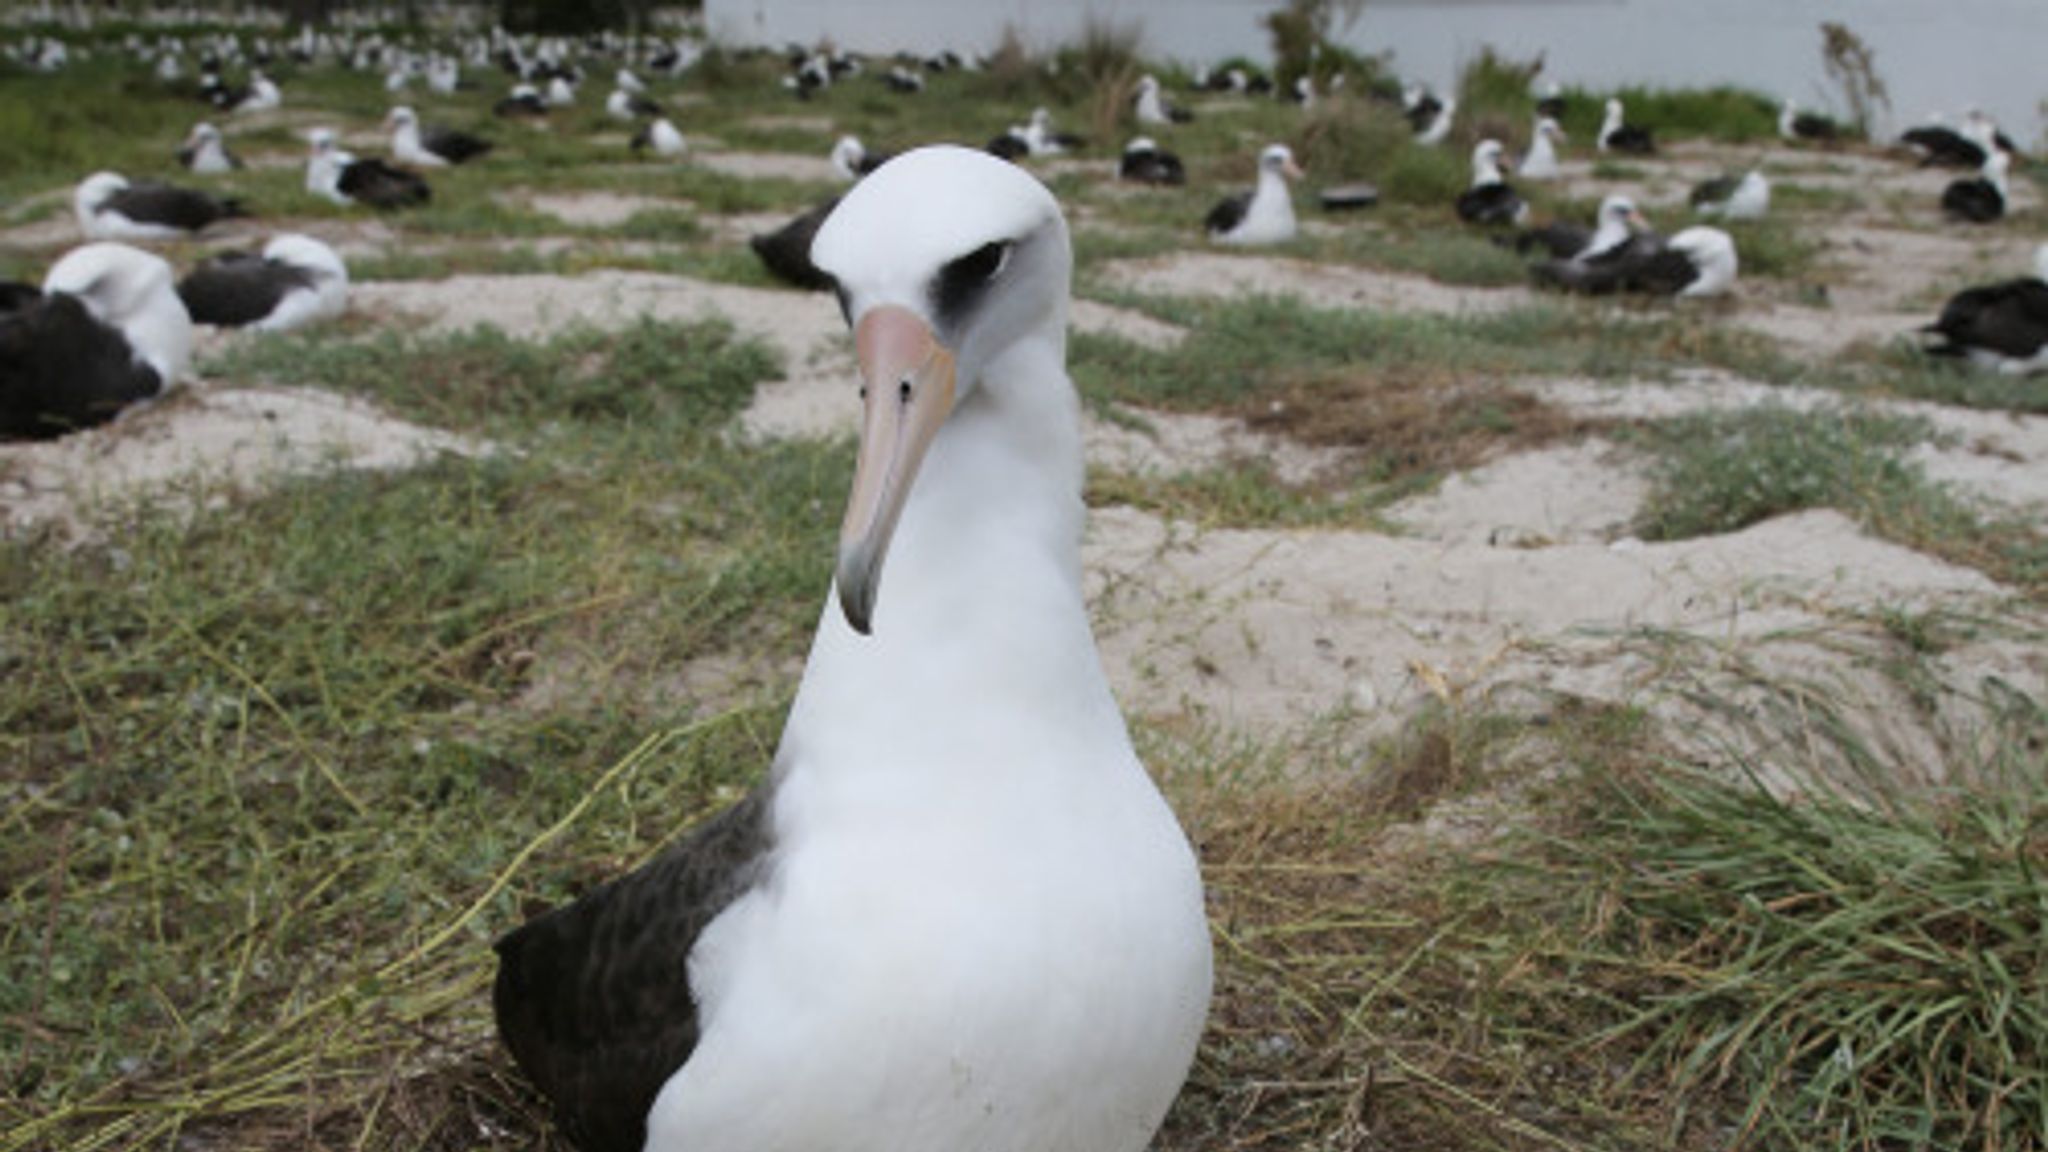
1722, 472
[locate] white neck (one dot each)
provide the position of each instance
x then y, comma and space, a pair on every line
1484, 171
1606, 236
981, 602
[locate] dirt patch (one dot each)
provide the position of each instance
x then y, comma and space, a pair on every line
598, 209
1327, 286
201, 443
1276, 629
1584, 493
1401, 423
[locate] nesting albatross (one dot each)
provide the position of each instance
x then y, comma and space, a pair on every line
957, 914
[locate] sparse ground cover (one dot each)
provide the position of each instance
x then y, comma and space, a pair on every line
1603, 726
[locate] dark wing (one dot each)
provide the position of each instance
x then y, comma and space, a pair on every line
452, 146
1815, 127
1424, 113
171, 206
1561, 239
643, 139
1629, 138
520, 106
1344, 197
1069, 141
1179, 115
1662, 272
1605, 273
1153, 167
1009, 146
787, 250
642, 106
1551, 106
2010, 319
869, 161
238, 288
186, 156
593, 999
1489, 204
1946, 147
1715, 191
381, 185
62, 369
1228, 214
1977, 201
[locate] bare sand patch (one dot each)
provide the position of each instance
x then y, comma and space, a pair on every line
202, 442
598, 209
1273, 629
1584, 493
772, 165
1217, 274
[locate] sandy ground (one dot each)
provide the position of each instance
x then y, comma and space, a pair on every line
1519, 574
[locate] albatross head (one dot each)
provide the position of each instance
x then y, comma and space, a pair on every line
134, 291
946, 260
1278, 159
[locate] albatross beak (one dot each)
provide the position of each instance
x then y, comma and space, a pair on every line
907, 385
1293, 170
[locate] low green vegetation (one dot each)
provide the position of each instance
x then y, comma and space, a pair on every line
1724, 471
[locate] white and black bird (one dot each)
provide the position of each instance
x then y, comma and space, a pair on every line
1264, 215
262, 95
1999, 327
342, 178
1697, 262
851, 159
1796, 125
1618, 135
1540, 162
296, 281
1437, 127
561, 92
1614, 224
1150, 104
111, 208
1939, 145
524, 101
661, 136
430, 147
205, 153
1145, 162
624, 105
1490, 199
956, 913
1745, 197
105, 330
903, 81
1039, 136
626, 81
1982, 200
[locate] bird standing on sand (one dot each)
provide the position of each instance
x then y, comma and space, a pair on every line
1264, 215
1999, 327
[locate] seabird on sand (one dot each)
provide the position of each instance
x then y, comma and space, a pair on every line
1696, 262
1490, 200
1145, 162
662, 136
340, 177
105, 330
1151, 107
429, 147
1982, 200
110, 208
1264, 215
2002, 327
1747, 197
1618, 135
206, 153
1796, 125
296, 281
957, 914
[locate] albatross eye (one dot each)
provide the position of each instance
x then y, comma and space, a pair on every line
961, 282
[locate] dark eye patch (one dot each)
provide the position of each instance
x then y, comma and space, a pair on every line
961, 282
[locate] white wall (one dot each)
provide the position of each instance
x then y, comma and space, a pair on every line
1934, 54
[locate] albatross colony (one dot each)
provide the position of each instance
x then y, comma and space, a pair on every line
957, 913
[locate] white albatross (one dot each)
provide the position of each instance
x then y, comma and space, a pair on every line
957, 914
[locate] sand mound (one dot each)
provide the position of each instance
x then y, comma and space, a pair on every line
200, 443
1329, 286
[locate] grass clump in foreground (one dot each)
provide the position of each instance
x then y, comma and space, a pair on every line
277, 772
1721, 472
